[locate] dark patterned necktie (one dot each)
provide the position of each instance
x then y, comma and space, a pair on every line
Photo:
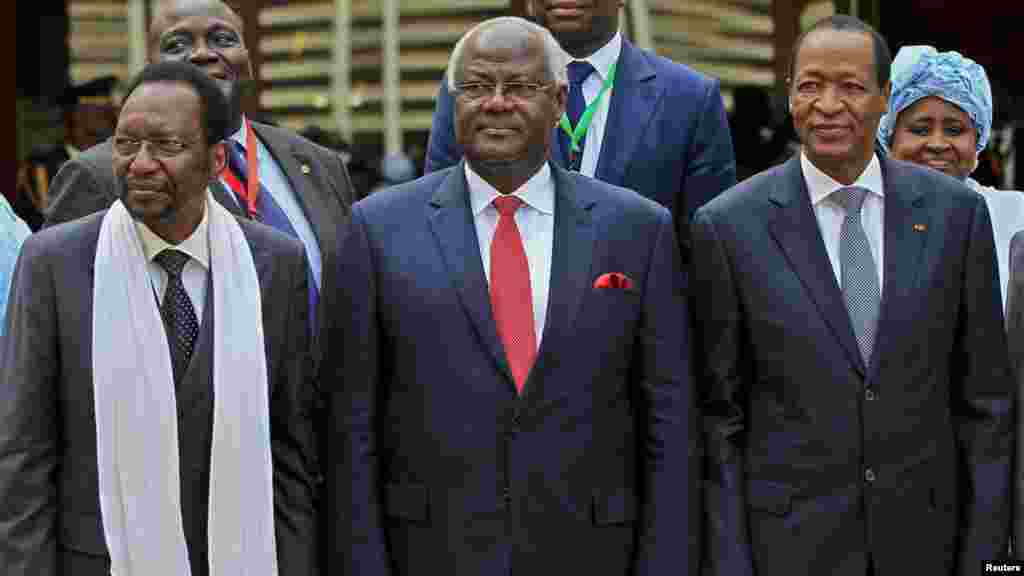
859, 274
178, 314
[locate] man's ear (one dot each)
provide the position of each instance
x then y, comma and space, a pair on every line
218, 160
561, 98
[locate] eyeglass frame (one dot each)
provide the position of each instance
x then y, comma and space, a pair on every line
155, 146
496, 88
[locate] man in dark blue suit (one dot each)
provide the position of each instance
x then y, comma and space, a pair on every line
855, 380
659, 128
514, 392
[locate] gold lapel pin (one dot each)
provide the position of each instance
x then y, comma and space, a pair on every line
920, 227
305, 169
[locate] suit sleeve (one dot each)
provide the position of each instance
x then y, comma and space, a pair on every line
669, 527
710, 166
347, 194
721, 378
1015, 340
76, 192
442, 151
983, 403
355, 532
28, 421
292, 434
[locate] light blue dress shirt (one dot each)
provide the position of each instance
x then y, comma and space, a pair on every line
12, 233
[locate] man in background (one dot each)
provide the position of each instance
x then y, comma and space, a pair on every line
655, 126
89, 111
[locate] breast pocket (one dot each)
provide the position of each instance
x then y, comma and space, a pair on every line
610, 315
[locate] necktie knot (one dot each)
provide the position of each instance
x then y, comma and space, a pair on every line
507, 205
579, 71
851, 198
173, 261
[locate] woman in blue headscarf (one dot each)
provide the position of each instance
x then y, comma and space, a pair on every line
940, 115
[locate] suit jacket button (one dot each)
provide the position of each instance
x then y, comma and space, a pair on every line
870, 395
869, 475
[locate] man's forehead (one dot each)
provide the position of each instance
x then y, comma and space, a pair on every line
170, 12
505, 37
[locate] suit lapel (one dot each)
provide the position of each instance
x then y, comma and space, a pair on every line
792, 223
906, 232
634, 99
571, 257
451, 221
298, 170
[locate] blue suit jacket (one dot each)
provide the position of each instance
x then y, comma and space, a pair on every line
666, 137
819, 462
438, 465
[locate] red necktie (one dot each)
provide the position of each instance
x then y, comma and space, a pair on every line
511, 297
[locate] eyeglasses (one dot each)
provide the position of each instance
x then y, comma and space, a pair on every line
161, 147
512, 90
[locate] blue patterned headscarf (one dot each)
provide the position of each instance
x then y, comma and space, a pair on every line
922, 71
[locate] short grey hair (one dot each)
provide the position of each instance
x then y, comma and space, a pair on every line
556, 58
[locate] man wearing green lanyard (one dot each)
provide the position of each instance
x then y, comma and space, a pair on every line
634, 119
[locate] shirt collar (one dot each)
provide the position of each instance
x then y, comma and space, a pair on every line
820, 185
196, 245
605, 56
72, 151
537, 192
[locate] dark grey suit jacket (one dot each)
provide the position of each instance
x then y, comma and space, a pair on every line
1015, 338
50, 521
819, 462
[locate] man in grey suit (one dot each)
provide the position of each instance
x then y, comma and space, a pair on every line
857, 395
208, 284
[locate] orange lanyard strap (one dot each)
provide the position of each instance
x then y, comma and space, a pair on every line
253, 183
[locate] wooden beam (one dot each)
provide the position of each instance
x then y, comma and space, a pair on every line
786, 16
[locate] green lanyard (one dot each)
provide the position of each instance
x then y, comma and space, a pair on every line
576, 134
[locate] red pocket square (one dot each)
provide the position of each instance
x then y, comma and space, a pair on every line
614, 280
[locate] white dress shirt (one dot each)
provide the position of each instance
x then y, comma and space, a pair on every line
830, 213
274, 180
602, 61
193, 275
536, 222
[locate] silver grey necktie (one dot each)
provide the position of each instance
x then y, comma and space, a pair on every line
860, 278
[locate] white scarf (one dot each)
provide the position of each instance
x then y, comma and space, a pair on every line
136, 411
